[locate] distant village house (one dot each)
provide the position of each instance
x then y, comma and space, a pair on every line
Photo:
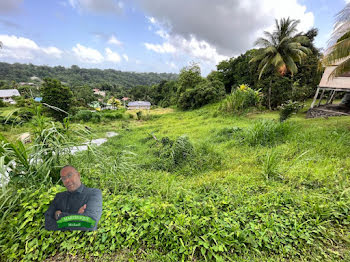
98, 92
7, 95
139, 105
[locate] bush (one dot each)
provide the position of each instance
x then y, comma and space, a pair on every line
288, 109
22, 102
301, 93
182, 157
2, 103
96, 118
204, 93
112, 115
25, 114
139, 115
281, 90
265, 133
241, 99
83, 115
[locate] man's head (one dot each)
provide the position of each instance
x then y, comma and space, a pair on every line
70, 178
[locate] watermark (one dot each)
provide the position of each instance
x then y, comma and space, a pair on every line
76, 221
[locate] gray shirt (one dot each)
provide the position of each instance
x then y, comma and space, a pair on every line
70, 202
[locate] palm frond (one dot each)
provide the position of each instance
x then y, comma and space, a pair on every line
338, 51
341, 68
291, 66
262, 42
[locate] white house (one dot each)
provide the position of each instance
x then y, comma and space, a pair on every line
139, 105
7, 94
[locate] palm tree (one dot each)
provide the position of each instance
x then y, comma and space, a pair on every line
339, 44
281, 49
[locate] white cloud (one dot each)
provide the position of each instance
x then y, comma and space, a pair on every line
98, 6
163, 48
228, 26
114, 41
126, 58
199, 50
87, 54
152, 20
14, 42
22, 48
162, 34
112, 56
53, 51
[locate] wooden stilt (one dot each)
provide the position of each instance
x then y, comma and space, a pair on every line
332, 97
315, 97
329, 97
322, 94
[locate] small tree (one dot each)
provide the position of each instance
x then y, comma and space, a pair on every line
56, 95
189, 77
114, 102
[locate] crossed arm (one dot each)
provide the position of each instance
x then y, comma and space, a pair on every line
93, 209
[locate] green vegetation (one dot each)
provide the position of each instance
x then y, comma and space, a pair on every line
193, 186
108, 79
241, 99
222, 180
58, 97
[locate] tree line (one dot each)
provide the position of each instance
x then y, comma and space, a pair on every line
11, 74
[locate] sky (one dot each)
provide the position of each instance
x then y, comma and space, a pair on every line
148, 35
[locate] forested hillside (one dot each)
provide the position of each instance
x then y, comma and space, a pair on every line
75, 75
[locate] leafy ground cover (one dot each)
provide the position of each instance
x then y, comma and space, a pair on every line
201, 186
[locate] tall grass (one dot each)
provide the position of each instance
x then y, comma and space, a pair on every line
267, 133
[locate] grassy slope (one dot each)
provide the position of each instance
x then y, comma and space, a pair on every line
314, 177
311, 179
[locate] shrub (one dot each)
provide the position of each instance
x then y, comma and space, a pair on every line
2, 103
182, 157
288, 109
112, 115
241, 99
281, 90
139, 115
25, 114
96, 118
23, 102
265, 133
182, 150
204, 93
83, 115
301, 92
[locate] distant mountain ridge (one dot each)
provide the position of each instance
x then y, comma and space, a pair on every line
81, 76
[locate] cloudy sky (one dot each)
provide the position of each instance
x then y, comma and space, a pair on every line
148, 35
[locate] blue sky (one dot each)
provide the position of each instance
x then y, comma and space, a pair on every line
148, 35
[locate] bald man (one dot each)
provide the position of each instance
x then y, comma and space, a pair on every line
77, 200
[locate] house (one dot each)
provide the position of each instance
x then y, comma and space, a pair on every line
326, 91
329, 86
7, 94
98, 92
139, 105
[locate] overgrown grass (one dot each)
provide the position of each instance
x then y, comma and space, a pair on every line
235, 189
